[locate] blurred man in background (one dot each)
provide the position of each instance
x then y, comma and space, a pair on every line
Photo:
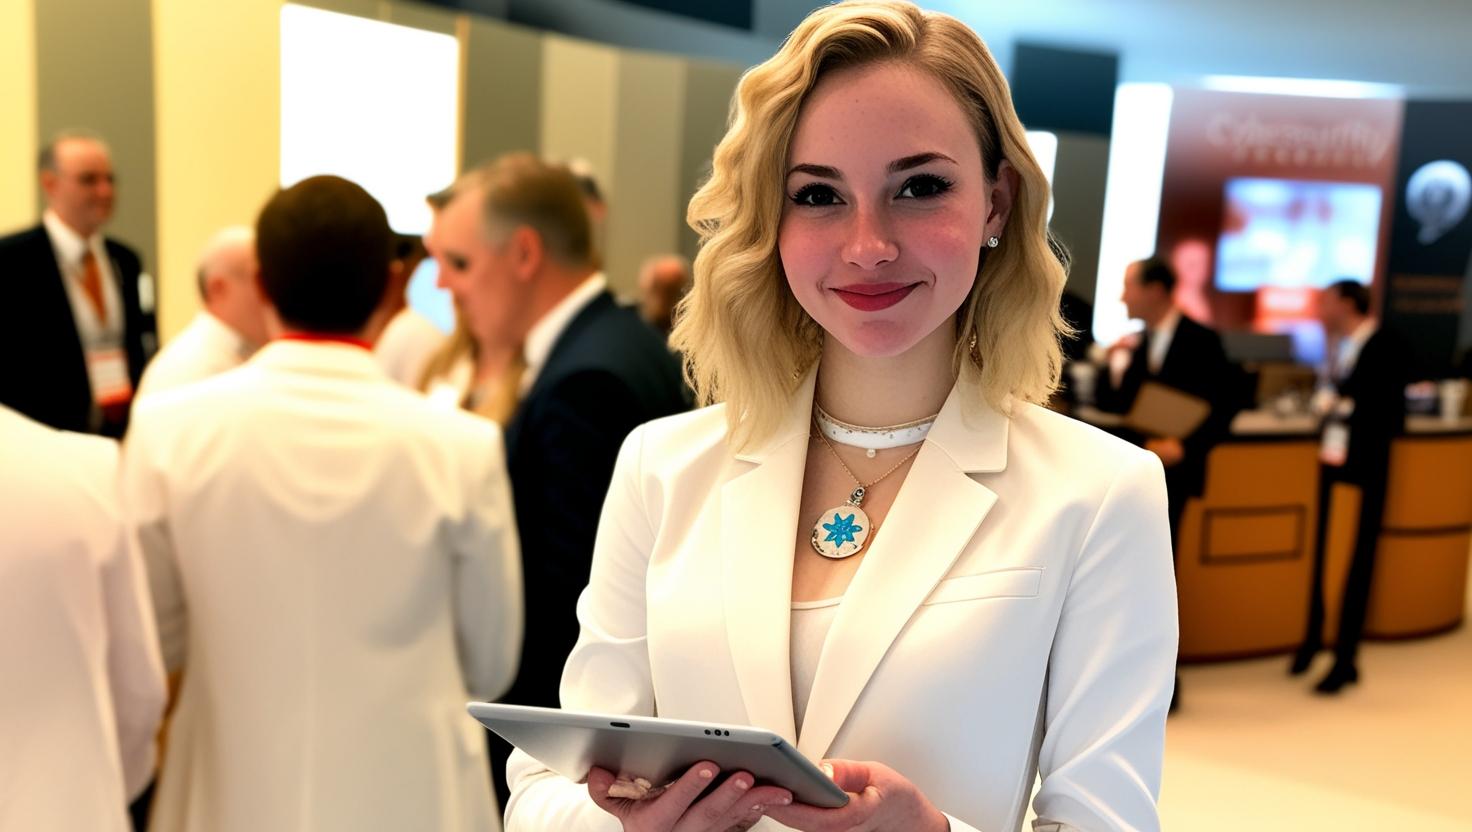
230, 326
341, 552
81, 681
514, 244
663, 280
1364, 402
74, 329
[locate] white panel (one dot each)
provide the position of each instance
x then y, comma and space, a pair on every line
1311, 87
373, 102
1131, 198
1044, 146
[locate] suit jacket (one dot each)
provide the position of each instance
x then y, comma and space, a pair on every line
607, 373
81, 683
346, 558
44, 371
1196, 364
1016, 614
1376, 385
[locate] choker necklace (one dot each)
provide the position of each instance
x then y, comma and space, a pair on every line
872, 440
846, 535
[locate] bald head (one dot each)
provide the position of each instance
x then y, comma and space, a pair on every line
227, 282
663, 280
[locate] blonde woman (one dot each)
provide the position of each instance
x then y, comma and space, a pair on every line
481, 375
877, 544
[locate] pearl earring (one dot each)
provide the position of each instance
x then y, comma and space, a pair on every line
992, 242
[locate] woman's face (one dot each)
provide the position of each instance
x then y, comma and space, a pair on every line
887, 207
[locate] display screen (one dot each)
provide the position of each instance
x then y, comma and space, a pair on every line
1296, 234
428, 299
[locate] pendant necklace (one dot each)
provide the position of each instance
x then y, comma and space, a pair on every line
849, 529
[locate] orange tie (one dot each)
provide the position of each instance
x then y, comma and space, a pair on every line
92, 285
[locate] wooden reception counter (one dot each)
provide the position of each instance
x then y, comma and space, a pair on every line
1244, 560
1245, 556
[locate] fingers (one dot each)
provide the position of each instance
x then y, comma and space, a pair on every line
599, 781
856, 778
851, 776
734, 802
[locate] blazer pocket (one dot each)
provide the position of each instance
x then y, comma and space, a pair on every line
1021, 582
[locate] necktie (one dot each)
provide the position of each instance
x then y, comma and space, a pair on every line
92, 285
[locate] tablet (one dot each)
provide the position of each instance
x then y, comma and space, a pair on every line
659, 750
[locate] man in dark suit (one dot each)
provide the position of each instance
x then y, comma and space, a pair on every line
1177, 352
514, 246
1364, 403
73, 331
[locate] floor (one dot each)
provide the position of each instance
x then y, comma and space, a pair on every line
1255, 749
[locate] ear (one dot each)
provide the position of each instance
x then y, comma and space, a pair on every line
528, 252
214, 286
48, 181
1003, 195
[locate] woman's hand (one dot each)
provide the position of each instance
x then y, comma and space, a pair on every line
734, 804
879, 800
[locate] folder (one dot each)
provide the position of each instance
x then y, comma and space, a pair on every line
1164, 411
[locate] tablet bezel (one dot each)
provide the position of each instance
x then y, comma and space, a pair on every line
659, 750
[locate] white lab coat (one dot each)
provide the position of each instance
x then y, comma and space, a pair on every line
345, 557
81, 682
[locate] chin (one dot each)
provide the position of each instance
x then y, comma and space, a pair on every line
877, 339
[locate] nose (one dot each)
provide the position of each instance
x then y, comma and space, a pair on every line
442, 276
870, 243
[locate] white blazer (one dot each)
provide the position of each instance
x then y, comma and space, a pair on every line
81, 682
1016, 615
345, 556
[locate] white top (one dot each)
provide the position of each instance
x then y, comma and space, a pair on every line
543, 335
406, 345
1017, 617
70, 247
204, 348
811, 621
344, 555
1349, 349
81, 683
1160, 338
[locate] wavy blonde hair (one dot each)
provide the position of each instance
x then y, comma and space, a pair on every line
745, 338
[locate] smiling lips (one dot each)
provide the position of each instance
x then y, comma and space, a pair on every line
871, 297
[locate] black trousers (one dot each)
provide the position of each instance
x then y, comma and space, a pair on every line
1356, 599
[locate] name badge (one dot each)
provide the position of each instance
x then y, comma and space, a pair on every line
107, 369
1334, 449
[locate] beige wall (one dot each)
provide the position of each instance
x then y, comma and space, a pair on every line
709, 87
579, 108
93, 72
645, 207
18, 130
218, 125
503, 90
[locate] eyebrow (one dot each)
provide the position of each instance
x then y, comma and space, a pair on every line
902, 164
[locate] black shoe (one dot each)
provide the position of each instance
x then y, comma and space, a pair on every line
1338, 677
1302, 658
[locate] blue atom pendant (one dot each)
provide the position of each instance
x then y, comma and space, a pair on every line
841, 532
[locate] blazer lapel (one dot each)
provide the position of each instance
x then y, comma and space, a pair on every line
758, 532
938, 510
